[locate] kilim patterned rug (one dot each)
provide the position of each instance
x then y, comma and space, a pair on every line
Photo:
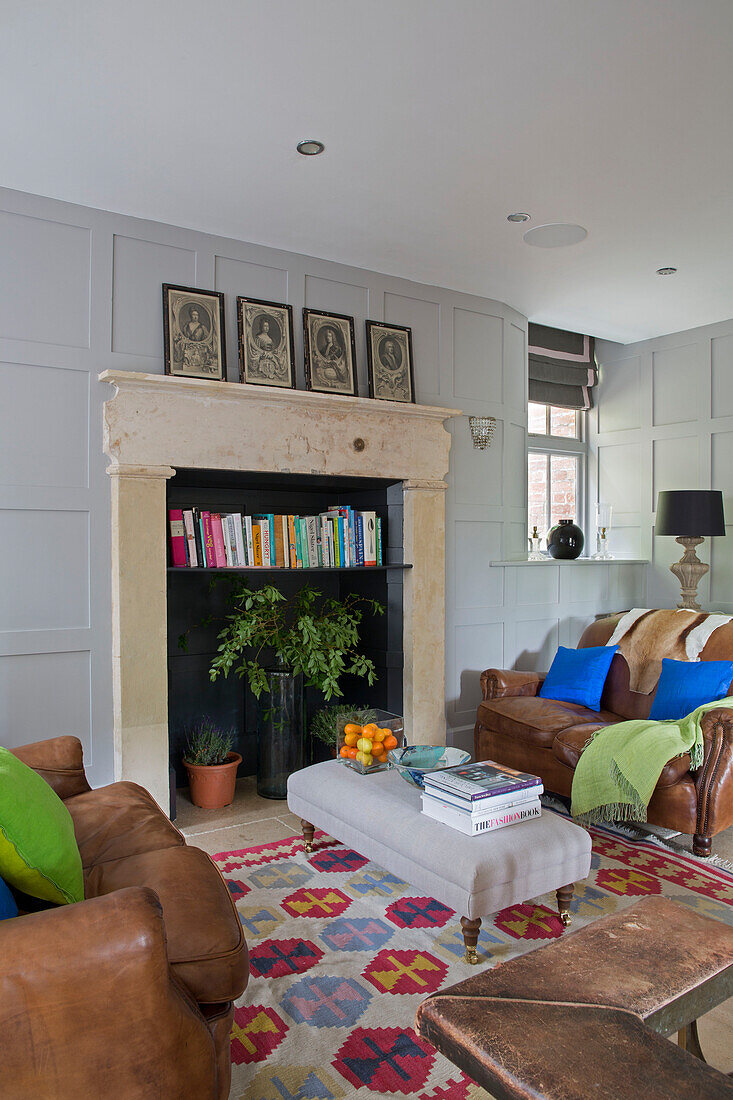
342, 953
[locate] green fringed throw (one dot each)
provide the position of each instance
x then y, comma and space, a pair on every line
621, 764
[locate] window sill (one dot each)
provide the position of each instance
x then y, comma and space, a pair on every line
569, 561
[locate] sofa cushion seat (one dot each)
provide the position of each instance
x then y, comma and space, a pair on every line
536, 720
205, 939
120, 820
569, 745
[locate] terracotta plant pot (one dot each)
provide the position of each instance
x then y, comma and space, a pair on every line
212, 785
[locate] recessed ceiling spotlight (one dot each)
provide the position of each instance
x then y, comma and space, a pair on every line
518, 217
666, 271
310, 148
555, 235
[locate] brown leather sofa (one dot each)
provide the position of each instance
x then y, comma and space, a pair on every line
129, 992
546, 737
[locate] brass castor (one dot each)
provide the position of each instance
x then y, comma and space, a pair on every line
564, 897
308, 831
470, 930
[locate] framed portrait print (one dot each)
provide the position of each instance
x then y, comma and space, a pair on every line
389, 354
193, 333
266, 346
330, 352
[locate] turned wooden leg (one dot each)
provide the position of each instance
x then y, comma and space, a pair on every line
308, 831
564, 897
689, 1040
470, 938
702, 845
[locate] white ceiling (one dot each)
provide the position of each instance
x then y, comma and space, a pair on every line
440, 117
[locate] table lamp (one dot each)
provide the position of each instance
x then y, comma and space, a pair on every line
690, 515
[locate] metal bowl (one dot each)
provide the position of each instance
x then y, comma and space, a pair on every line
413, 762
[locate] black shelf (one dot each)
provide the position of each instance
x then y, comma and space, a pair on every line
285, 569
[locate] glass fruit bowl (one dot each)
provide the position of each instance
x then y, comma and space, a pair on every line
365, 747
413, 762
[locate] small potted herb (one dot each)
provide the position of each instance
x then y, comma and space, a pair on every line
211, 765
328, 724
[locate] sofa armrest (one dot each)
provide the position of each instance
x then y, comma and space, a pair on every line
60, 761
714, 780
88, 1003
499, 683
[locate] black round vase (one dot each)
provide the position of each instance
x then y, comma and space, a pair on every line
565, 540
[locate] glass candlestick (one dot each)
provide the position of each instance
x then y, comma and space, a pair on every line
603, 529
535, 554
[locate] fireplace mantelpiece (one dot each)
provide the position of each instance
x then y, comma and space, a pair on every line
155, 423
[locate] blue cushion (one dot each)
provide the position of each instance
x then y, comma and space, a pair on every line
8, 908
685, 685
578, 675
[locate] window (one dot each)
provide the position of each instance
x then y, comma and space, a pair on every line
556, 466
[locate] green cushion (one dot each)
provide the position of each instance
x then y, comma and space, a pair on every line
38, 850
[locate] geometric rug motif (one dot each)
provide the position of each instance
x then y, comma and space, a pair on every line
343, 952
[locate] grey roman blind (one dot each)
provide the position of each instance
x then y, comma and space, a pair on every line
562, 367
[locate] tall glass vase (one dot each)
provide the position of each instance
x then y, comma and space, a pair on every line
280, 730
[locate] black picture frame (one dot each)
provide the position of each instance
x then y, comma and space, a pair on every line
391, 374
330, 362
266, 358
194, 346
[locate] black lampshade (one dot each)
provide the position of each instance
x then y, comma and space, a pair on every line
690, 512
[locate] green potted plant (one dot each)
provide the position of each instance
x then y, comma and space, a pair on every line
328, 724
278, 643
211, 765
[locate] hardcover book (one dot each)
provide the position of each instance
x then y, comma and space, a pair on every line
471, 826
483, 806
208, 540
257, 543
231, 529
198, 530
359, 524
249, 545
227, 535
220, 557
481, 780
271, 519
280, 544
312, 540
188, 524
292, 543
263, 522
239, 538
177, 537
369, 523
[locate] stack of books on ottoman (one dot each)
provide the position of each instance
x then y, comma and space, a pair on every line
476, 798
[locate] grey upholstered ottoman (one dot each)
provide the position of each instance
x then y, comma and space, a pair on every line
379, 815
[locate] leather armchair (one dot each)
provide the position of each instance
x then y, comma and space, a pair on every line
131, 990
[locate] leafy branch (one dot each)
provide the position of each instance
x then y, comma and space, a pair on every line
317, 638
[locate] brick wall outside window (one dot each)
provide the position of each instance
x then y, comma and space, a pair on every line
558, 475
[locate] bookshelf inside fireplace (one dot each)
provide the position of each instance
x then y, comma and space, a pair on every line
191, 598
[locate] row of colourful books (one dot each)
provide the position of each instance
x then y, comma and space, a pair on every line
337, 538
477, 798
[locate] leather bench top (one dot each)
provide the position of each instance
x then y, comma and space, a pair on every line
551, 1023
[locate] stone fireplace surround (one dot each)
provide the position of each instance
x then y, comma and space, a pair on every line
155, 423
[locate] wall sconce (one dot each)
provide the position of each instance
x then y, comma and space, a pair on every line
482, 430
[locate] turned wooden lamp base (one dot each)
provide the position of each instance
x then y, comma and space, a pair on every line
689, 571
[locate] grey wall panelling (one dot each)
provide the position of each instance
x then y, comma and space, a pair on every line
669, 402
79, 293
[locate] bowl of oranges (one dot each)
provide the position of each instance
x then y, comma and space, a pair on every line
365, 747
